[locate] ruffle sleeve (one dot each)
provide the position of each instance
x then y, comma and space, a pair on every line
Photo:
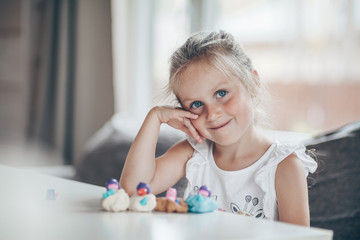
201, 149
265, 177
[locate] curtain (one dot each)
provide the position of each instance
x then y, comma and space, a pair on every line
70, 73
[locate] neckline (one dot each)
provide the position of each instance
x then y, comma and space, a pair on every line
244, 170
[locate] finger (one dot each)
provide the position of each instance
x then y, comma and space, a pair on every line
187, 114
192, 130
192, 115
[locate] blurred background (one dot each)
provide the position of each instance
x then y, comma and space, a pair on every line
67, 66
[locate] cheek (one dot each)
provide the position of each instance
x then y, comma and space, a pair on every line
239, 107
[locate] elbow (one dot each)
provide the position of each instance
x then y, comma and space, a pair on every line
127, 186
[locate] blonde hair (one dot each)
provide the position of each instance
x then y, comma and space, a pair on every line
225, 54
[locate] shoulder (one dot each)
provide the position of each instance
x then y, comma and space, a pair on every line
289, 168
293, 157
290, 176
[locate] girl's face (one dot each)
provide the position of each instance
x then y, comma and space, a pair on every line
224, 106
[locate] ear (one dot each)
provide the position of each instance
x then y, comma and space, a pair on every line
256, 78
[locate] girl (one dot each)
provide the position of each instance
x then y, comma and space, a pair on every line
219, 93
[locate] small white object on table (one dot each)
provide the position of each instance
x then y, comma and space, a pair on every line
36, 206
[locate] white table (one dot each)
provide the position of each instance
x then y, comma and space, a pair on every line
26, 213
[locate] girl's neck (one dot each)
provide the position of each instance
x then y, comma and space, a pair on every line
245, 152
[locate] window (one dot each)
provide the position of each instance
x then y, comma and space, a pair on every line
307, 51
145, 32
297, 41
171, 28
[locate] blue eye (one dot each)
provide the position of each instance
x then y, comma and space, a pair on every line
196, 104
221, 93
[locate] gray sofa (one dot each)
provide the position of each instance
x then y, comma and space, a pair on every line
334, 193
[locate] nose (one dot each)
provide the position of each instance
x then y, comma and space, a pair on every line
213, 112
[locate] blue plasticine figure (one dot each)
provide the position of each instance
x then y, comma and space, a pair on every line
201, 202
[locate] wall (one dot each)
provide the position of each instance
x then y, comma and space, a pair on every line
93, 103
314, 108
94, 87
13, 85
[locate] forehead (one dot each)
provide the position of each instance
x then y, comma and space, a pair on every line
200, 73
200, 79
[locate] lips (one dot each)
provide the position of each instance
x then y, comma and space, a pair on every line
220, 126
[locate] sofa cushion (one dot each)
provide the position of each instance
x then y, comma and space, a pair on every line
334, 194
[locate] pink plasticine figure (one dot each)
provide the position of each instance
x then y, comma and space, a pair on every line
171, 194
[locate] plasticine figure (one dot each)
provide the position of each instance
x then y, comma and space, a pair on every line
142, 189
205, 191
201, 202
115, 199
112, 184
170, 203
171, 194
142, 200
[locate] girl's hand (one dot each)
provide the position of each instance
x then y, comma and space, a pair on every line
179, 119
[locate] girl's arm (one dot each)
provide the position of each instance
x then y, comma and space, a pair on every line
292, 192
140, 165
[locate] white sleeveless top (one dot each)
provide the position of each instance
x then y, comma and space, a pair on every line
249, 191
